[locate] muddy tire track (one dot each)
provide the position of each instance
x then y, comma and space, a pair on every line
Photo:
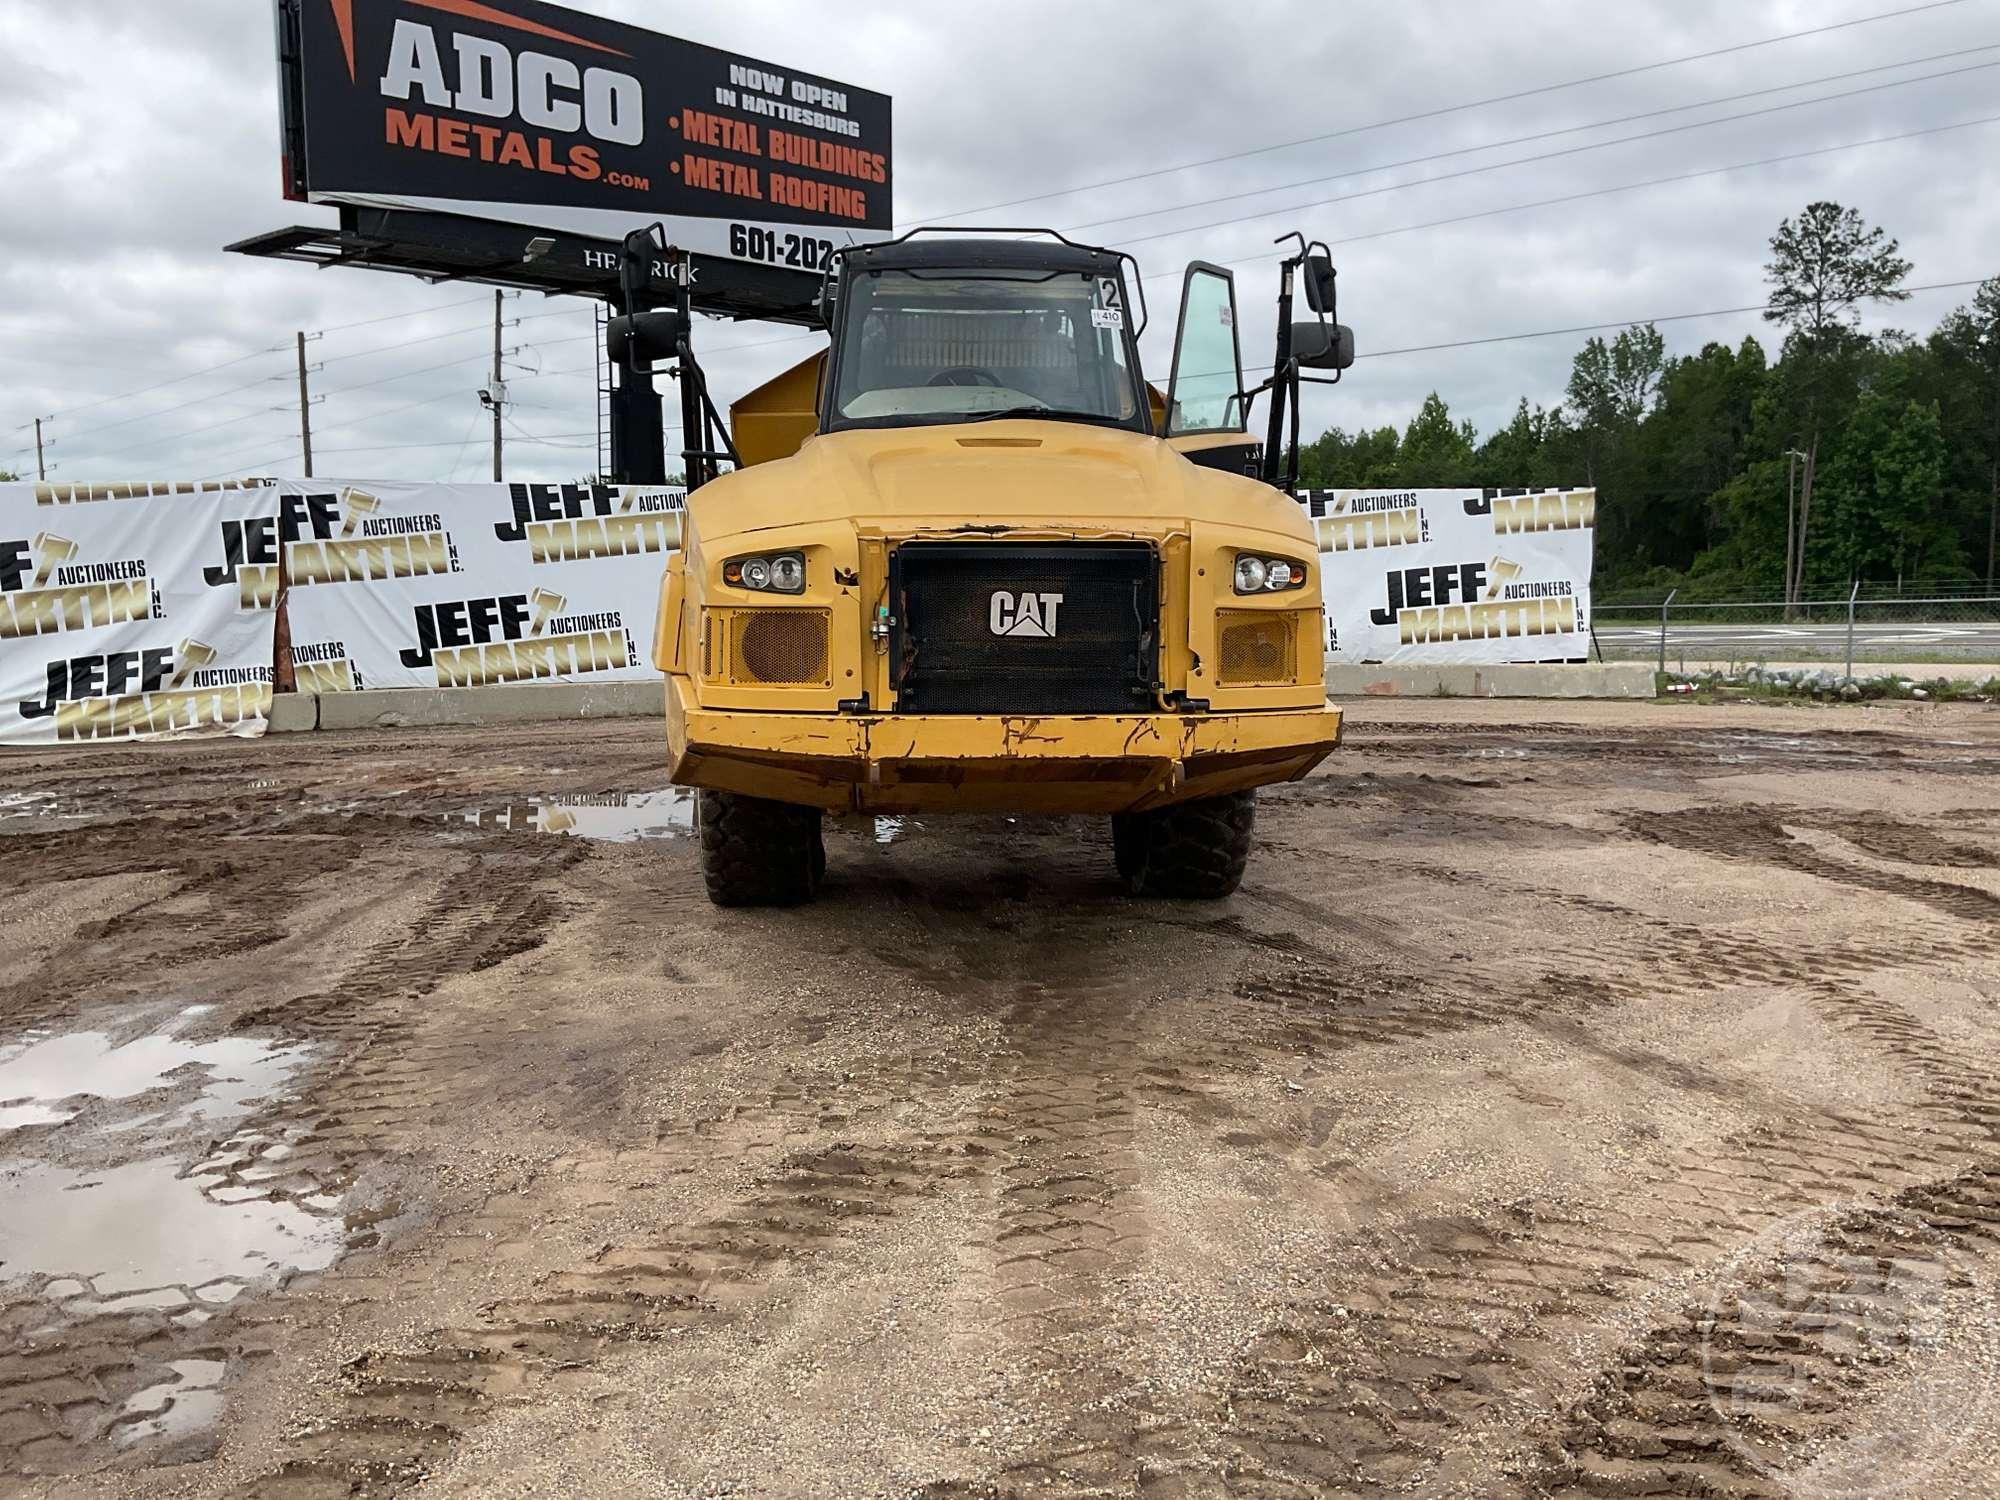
1731, 1398
399, 1411
1415, 1373
1758, 835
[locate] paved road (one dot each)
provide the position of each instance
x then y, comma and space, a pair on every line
1963, 640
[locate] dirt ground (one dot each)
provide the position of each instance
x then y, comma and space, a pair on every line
1586, 1099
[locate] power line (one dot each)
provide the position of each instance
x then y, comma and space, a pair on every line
1464, 218
1521, 140
429, 338
97, 453
1449, 109
272, 349
1657, 183
1628, 187
167, 411
423, 312
1545, 333
551, 442
1112, 182
284, 457
369, 385
162, 385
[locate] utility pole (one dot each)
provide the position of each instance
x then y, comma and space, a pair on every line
499, 385
305, 408
1794, 566
41, 463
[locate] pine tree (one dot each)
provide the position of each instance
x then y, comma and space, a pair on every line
1823, 266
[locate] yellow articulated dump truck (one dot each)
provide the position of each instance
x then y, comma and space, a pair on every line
971, 561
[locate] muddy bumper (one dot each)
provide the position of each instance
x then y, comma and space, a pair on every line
976, 763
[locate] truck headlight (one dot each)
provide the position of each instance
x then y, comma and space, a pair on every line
1259, 574
767, 573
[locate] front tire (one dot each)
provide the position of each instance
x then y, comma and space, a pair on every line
755, 852
1191, 851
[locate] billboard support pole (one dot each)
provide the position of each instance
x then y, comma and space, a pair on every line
696, 467
638, 441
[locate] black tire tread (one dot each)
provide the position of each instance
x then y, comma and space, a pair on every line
1191, 851
755, 852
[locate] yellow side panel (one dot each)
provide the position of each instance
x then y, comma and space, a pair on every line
773, 420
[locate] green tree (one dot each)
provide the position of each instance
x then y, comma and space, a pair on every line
1521, 453
1883, 477
1823, 266
8, 476
1612, 387
1336, 461
1436, 453
1969, 343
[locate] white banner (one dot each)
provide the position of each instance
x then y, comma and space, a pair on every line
468, 585
1475, 576
109, 629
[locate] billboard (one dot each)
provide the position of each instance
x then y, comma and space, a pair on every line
538, 115
1473, 576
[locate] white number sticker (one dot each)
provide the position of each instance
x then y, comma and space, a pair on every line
1106, 317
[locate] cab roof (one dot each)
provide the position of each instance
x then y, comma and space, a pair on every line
923, 250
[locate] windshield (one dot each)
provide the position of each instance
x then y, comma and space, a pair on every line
947, 345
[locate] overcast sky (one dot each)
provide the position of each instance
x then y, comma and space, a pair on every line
139, 137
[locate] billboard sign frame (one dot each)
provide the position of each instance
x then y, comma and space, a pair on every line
529, 113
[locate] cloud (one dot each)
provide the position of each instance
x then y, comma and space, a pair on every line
136, 140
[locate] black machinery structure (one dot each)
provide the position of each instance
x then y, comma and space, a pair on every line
653, 291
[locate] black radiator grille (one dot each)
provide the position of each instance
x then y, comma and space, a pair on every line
996, 628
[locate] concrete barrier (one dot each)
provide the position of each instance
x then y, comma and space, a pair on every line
294, 713
512, 703
1588, 680
532, 702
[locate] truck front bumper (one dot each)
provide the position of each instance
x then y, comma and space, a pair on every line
895, 763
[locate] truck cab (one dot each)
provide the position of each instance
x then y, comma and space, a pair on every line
980, 574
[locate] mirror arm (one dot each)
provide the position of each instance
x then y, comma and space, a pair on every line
1292, 462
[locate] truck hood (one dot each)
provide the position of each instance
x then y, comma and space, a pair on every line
1016, 474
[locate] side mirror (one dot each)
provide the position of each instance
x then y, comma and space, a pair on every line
1320, 278
644, 337
1323, 346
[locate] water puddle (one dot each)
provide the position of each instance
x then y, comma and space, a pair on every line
612, 818
1748, 748
26, 812
178, 1407
51, 1079
147, 1236
888, 830
162, 1193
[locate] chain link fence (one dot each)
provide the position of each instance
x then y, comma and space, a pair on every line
1872, 625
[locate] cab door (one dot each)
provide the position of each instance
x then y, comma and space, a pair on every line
1207, 418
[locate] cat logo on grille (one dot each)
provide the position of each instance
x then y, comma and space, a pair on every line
1024, 614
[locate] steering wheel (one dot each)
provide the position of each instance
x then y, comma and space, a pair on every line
967, 375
